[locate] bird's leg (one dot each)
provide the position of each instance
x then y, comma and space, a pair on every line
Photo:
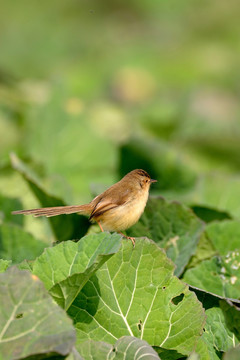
128, 237
100, 226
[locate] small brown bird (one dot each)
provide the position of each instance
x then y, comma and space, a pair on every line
116, 209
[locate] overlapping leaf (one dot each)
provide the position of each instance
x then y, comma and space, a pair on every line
31, 323
126, 348
66, 267
217, 334
205, 250
135, 293
173, 227
220, 275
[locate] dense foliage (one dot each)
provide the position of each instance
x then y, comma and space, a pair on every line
90, 90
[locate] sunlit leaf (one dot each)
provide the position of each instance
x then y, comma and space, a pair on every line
66, 267
135, 293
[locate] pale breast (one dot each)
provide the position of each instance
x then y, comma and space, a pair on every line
126, 215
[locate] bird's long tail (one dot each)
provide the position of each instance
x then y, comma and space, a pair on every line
57, 210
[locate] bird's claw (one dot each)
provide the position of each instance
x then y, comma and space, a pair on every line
129, 238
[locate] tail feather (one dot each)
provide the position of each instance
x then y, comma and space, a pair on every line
57, 210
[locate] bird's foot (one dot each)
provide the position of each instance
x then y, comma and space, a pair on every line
128, 237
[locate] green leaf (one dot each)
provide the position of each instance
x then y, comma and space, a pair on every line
205, 250
18, 245
204, 352
220, 276
220, 191
95, 350
224, 235
31, 323
66, 267
64, 227
173, 227
217, 333
135, 293
168, 354
4, 264
26, 265
6, 206
232, 319
126, 348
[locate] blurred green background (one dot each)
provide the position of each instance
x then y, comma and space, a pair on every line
90, 90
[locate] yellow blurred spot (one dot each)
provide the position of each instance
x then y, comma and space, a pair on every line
133, 85
74, 106
233, 279
109, 121
34, 277
37, 92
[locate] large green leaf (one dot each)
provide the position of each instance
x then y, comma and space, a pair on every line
66, 267
126, 348
31, 323
172, 226
135, 293
224, 235
65, 227
220, 275
18, 245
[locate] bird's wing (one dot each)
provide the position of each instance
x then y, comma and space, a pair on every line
102, 208
106, 203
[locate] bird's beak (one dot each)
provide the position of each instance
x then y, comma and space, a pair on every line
152, 181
